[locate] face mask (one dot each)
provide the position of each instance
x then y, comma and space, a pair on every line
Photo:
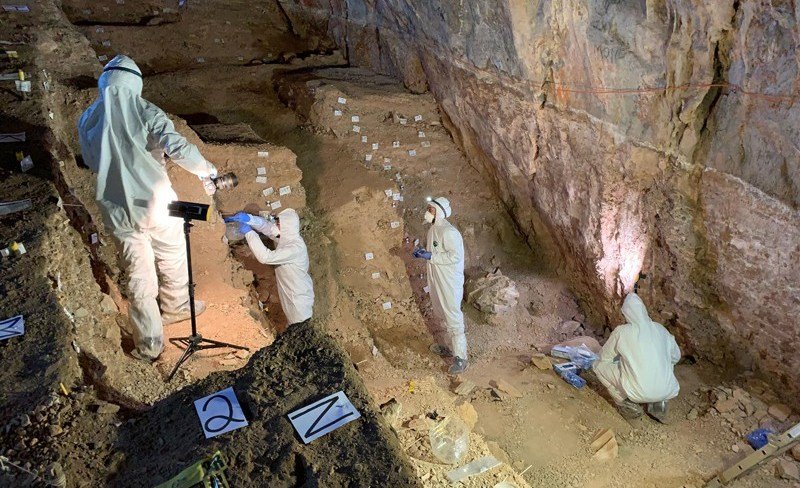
429, 217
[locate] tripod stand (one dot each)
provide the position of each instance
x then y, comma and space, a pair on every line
194, 342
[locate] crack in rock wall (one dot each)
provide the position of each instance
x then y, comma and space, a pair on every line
697, 185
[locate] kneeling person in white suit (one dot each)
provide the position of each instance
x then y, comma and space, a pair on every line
290, 258
637, 363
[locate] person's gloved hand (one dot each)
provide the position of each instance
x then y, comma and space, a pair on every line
246, 219
244, 228
422, 253
209, 186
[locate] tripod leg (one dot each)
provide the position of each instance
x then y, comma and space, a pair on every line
188, 352
212, 344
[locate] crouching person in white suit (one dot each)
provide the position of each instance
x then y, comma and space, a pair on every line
290, 258
637, 363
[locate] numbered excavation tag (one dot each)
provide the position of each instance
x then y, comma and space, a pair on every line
326, 415
220, 412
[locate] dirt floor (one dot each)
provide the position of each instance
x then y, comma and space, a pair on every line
269, 91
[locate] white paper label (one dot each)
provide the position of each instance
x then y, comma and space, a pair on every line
263, 154
261, 170
284, 190
337, 113
395, 224
403, 121
387, 305
426, 289
275, 205
342, 100
326, 415
368, 157
354, 118
417, 118
396, 144
412, 152
220, 412
201, 60
23, 86
368, 256
396, 197
363, 138
388, 193
426, 144
420, 134
387, 160
94, 238
102, 58
387, 167
356, 128
261, 179
13, 327
100, 30
376, 275
375, 146
106, 43
268, 191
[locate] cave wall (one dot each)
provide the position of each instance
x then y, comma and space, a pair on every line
697, 185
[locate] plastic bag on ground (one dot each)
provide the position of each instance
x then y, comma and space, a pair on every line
449, 440
475, 467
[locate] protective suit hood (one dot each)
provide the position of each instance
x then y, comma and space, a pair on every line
120, 74
290, 223
635, 312
442, 206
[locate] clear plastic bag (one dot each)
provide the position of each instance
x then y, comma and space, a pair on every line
449, 440
232, 233
475, 467
582, 356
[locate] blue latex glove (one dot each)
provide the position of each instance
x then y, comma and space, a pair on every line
246, 218
422, 253
244, 228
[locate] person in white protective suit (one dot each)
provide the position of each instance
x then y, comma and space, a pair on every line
290, 258
445, 256
124, 139
637, 363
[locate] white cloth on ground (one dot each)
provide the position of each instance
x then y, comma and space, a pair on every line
123, 138
638, 359
446, 275
290, 258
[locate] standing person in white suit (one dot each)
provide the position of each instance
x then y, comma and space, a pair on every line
290, 258
124, 139
637, 363
446, 276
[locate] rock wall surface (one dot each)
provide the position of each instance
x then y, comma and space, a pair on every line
623, 136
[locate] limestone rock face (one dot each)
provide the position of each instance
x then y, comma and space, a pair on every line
493, 293
625, 137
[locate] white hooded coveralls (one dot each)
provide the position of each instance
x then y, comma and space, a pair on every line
638, 360
290, 258
123, 138
446, 275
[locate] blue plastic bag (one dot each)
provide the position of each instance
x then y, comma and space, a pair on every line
758, 438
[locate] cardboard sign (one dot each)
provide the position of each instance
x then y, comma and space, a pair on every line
314, 421
13, 327
220, 412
